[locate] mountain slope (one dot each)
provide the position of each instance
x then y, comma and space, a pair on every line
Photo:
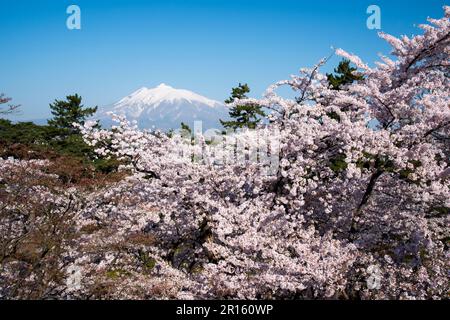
165, 108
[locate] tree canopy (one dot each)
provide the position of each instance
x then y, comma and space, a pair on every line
67, 112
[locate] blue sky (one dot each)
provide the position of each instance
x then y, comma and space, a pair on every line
204, 46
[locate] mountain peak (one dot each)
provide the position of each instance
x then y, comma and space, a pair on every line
163, 85
163, 93
166, 107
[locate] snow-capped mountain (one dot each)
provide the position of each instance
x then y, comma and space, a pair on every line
165, 108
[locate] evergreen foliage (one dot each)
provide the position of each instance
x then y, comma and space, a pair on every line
244, 116
344, 75
66, 113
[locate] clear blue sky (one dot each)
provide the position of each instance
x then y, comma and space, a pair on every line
204, 46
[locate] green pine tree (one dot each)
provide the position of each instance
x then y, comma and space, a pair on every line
66, 113
244, 116
344, 74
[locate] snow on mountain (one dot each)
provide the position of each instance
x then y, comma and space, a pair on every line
165, 108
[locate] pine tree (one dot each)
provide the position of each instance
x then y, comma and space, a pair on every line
68, 112
344, 74
245, 116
